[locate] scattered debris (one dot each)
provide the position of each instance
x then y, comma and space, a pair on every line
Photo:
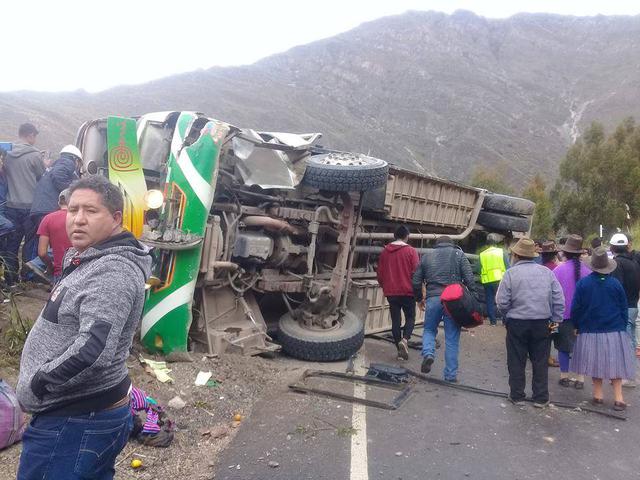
273, 464
202, 378
157, 369
404, 391
176, 403
398, 454
136, 463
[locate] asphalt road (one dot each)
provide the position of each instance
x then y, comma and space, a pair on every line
439, 433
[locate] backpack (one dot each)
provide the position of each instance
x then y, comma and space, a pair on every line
12, 422
461, 306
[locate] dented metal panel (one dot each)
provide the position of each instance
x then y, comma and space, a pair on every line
428, 200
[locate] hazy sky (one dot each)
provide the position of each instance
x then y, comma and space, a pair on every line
70, 44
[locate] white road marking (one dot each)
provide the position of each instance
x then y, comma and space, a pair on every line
359, 460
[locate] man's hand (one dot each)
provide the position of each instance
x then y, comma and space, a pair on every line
422, 304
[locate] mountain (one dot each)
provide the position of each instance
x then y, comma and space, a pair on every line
443, 94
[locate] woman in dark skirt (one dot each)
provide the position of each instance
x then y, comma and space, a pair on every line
599, 312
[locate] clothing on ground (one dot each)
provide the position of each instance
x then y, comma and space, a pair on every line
440, 266
73, 361
530, 291
396, 265
53, 226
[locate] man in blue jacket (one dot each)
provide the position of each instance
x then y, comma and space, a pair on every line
55, 179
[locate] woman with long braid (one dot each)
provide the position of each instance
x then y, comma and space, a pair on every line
568, 275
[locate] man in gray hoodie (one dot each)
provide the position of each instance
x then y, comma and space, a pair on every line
23, 167
73, 376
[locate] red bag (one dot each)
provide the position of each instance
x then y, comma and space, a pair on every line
461, 306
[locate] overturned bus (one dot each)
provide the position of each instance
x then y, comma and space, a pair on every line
262, 235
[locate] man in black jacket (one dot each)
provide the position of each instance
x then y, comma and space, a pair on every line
628, 273
441, 266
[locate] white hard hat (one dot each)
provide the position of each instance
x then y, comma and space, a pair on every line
619, 239
73, 150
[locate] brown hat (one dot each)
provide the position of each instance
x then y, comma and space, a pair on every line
525, 248
573, 244
600, 261
549, 247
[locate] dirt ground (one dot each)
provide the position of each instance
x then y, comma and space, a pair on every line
208, 413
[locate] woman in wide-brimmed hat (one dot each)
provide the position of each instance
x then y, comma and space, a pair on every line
549, 254
568, 275
599, 312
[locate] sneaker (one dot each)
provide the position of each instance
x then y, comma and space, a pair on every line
629, 384
541, 404
403, 349
515, 402
451, 380
426, 364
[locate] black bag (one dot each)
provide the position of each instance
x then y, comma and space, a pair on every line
461, 306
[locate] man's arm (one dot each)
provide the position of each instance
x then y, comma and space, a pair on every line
503, 296
381, 266
467, 273
37, 165
63, 173
557, 300
105, 306
505, 258
43, 252
43, 244
418, 280
577, 305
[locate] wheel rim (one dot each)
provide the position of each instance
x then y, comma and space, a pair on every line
347, 159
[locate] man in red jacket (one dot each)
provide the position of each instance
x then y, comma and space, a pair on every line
397, 263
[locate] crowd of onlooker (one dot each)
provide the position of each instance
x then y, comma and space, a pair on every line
584, 301
32, 203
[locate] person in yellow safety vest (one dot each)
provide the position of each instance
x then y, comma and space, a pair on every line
493, 263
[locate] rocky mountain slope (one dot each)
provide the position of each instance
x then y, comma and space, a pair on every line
444, 94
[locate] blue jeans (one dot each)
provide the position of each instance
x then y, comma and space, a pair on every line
631, 326
490, 299
433, 315
73, 448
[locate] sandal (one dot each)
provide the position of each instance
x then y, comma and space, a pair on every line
597, 401
578, 385
552, 362
619, 406
565, 382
